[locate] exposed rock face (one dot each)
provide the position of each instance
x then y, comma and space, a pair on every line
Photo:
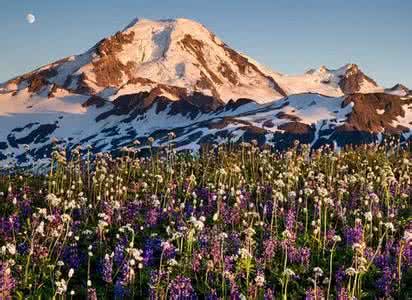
108, 69
399, 90
374, 113
94, 101
293, 131
139, 103
195, 47
351, 82
37, 83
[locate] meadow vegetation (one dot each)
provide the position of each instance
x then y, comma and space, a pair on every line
229, 223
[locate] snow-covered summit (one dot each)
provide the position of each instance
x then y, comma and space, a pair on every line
168, 55
178, 57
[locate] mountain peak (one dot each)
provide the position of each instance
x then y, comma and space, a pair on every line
399, 90
181, 55
180, 24
172, 54
323, 69
399, 86
353, 68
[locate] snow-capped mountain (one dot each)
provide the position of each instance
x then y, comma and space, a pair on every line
154, 77
172, 57
399, 90
175, 58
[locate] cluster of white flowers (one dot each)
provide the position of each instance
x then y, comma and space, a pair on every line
53, 200
244, 253
61, 287
288, 272
318, 272
199, 224
337, 238
8, 248
260, 280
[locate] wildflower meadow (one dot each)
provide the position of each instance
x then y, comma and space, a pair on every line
230, 222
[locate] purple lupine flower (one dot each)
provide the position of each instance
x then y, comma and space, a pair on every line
225, 213
330, 234
132, 211
148, 256
202, 193
230, 215
107, 269
155, 278
196, 261
381, 261
369, 253
407, 254
75, 227
22, 248
6, 228
71, 256
119, 252
181, 289
340, 276
269, 294
311, 294
212, 295
407, 239
188, 209
169, 251
354, 235
152, 216
229, 263
384, 284
215, 251
7, 282
269, 248
294, 254
290, 221
91, 294
124, 275
234, 291
233, 243
342, 294
305, 256
152, 251
25, 208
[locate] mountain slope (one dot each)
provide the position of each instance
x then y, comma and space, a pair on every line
180, 57
158, 54
155, 77
110, 125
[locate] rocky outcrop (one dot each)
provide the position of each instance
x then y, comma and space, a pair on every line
351, 82
374, 113
96, 101
399, 90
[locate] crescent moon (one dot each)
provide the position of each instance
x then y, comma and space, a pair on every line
30, 18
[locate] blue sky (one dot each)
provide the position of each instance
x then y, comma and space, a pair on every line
288, 36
